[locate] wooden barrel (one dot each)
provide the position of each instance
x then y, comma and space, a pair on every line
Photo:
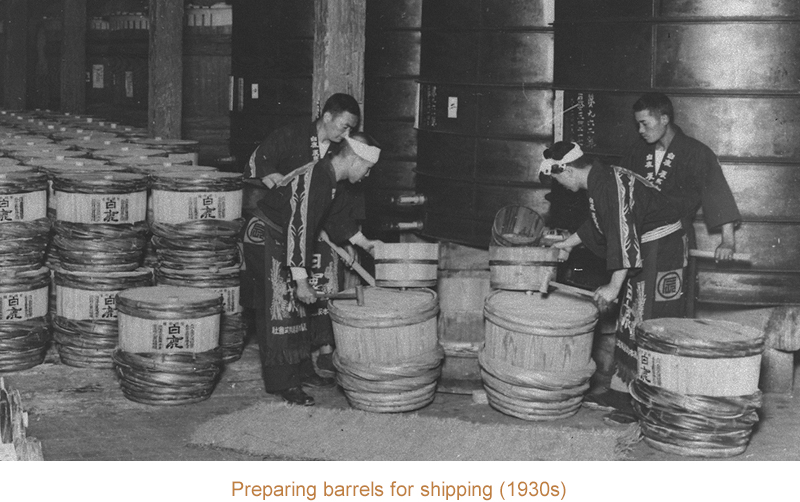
168, 344
536, 360
697, 387
387, 354
180, 197
168, 319
406, 264
24, 330
522, 268
85, 319
517, 226
462, 294
700, 356
224, 282
107, 198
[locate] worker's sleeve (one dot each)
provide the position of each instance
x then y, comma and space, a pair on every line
719, 206
340, 223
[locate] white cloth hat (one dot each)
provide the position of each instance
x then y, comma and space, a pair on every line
363, 150
546, 167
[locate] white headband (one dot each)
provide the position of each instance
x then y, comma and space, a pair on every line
363, 150
546, 166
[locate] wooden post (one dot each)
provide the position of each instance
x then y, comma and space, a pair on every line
338, 50
166, 69
15, 61
73, 57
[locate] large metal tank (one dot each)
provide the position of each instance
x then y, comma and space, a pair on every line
485, 112
732, 72
391, 70
272, 62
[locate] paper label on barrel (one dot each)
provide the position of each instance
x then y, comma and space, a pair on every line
82, 304
735, 376
23, 305
111, 209
23, 207
166, 336
178, 207
230, 300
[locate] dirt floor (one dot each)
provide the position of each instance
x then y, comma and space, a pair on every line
80, 414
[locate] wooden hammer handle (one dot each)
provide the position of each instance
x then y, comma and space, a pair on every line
346, 258
710, 254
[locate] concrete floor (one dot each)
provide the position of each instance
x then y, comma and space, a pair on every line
80, 414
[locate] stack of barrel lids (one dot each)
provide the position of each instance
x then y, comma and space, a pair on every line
169, 351
196, 222
24, 281
536, 360
697, 391
388, 357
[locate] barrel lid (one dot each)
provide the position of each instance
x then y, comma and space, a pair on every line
194, 181
69, 133
156, 169
92, 143
128, 150
554, 311
8, 161
34, 149
99, 181
165, 142
11, 168
67, 169
707, 338
66, 162
161, 298
201, 174
23, 140
386, 304
142, 161
24, 176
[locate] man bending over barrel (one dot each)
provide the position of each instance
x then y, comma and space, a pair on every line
284, 150
299, 206
638, 231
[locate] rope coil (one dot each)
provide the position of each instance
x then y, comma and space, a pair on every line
205, 181
168, 379
695, 425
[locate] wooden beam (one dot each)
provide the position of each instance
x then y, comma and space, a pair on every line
15, 62
338, 50
73, 57
165, 103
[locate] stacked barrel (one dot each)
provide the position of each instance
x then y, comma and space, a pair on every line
388, 357
536, 361
196, 225
76, 168
24, 281
697, 393
169, 351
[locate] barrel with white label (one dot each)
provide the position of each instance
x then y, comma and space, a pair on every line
536, 361
24, 330
697, 387
24, 226
85, 320
197, 204
100, 221
226, 283
168, 344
